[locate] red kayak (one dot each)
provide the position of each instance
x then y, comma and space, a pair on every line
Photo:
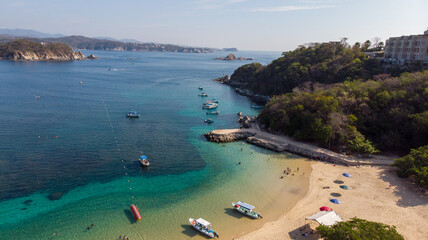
134, 211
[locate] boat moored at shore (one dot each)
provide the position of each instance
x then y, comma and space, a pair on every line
246, 209
203, 226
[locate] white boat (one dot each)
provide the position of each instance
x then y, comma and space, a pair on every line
246, 209
203, 95
144, 161
203, 226
209, 106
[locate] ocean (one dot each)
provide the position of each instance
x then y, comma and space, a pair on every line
69, 156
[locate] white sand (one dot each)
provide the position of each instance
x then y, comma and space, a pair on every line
369, 198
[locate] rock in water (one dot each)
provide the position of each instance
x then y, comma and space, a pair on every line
92, 57
55, 196
230, 57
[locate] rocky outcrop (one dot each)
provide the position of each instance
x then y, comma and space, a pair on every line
221, 137
92, 57
45, 56
253, 96
222, 79
232, 57
246, 121
25, 50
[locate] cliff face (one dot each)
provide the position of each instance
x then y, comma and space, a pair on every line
45, 56
24, 50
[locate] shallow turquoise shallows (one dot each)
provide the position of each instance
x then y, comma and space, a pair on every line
69, 156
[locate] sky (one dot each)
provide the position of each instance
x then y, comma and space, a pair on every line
263, 25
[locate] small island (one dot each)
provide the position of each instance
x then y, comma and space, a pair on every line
232, 57
25, 50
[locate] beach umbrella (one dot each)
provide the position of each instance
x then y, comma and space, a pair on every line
324, 208
334, 200
347, 175
344, 187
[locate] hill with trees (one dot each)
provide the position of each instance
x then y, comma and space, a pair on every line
85, 43
325, 63
25, 50
386, 113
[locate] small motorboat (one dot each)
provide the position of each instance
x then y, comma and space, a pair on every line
144, 161
209, 105
135, 212
246, 209
132, 114
209, 120
200, 88
203, 226
257, 107
214, 100
212, 112
203, 95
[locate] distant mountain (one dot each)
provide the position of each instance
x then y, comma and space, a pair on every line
85, 43
119, 40
27, 33
106, 38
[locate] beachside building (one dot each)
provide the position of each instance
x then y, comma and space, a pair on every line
413, 48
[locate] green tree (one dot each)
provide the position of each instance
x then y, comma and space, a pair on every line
359, 229
415, 166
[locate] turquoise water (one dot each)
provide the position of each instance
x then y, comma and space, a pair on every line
75, 139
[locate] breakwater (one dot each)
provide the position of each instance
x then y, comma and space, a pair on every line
281, 143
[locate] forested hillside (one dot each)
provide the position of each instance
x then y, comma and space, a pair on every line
386, 113
326, 63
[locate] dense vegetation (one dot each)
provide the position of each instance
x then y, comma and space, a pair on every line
9, 49
80, 42
415, 165
321, 63
390, 113
359, 229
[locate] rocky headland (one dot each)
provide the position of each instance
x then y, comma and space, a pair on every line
25, 50
232, 57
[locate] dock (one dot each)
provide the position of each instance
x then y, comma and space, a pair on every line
282, 143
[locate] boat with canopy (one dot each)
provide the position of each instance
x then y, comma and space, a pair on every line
246, 209
203, 226
144, 161
132, 114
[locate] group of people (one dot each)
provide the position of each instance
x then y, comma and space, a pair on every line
124, 237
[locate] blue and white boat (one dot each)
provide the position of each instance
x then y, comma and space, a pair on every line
246, 209
203, 95
144, 161
209, 105
203, 226
132, 114
214, 100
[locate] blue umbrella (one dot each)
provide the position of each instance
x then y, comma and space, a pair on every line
334, 200
347, 175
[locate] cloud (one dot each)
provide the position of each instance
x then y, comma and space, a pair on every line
289, 8
214, 4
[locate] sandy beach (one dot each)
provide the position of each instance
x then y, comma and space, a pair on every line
369, 197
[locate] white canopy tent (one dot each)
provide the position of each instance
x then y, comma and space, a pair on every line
327, 218
203, 222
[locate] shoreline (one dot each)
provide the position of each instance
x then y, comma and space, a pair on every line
369, 197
